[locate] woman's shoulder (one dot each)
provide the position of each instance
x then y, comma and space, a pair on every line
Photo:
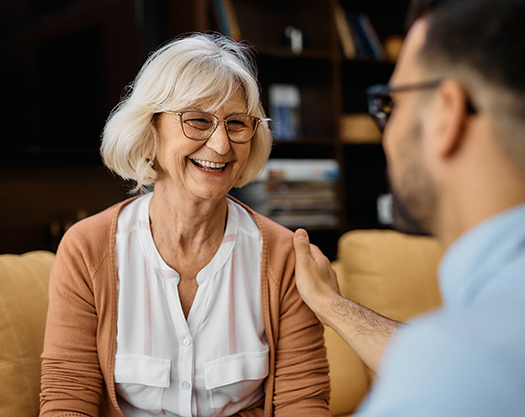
269, 228
96, 232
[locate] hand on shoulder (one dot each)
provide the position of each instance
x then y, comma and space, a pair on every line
315, 279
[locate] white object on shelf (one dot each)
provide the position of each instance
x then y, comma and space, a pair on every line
384, 209
285, 103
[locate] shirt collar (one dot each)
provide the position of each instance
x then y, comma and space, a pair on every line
474, 259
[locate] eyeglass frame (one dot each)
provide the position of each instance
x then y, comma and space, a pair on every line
384, 90
258, 121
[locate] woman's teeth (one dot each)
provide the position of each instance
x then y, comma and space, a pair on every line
209, 166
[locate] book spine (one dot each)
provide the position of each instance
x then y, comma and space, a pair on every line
222, 19
362, 45
355, 37
285, 103
231, 17
373, 39
301, 170
345, 35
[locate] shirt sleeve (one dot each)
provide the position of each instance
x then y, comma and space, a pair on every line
72, 381
454, 365
302, 386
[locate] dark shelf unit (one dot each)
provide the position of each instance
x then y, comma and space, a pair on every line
68, 61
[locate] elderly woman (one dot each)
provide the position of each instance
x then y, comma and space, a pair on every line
182, 302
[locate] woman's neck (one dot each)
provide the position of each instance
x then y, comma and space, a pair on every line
185, 223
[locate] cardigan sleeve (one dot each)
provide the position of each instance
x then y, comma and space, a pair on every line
302, 386
72, 381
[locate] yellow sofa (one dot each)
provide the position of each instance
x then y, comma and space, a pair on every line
384, 270
391, 273
23, 305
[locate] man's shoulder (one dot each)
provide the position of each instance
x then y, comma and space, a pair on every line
485, 324
455, 363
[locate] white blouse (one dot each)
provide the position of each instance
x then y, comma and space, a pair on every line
213, 364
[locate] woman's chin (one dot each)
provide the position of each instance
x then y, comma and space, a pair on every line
209, 191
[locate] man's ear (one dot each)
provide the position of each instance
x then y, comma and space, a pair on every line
450, 115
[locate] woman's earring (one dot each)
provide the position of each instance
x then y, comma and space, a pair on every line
151, 162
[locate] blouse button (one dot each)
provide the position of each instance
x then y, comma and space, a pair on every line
186, 385
186, 342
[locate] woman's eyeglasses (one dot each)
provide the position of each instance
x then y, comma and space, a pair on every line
200, 125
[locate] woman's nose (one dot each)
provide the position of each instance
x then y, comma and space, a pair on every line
219, 141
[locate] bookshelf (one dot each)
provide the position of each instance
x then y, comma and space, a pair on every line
116, 36
332, 85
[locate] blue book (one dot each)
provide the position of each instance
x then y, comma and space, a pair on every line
362, 44
371, 36
222, 18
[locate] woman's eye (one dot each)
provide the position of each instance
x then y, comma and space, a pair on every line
236, 124
200, 123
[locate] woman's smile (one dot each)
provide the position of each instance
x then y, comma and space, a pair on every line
209, 166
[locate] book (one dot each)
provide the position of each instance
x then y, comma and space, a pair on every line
372, 38
310, 221
301, 170
285, 104
363, 45
360, 47
233, 23
296, 193
222, 20
365, 40
227, 19
345, 35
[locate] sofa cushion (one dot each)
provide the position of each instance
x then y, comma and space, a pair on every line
23, 307
392, 273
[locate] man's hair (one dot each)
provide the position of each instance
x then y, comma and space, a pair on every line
481, 40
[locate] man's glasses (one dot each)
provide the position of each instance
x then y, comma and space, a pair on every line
200, 125
380, 103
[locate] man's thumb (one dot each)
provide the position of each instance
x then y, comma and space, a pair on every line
301, 243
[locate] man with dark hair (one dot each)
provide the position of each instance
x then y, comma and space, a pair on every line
455, 146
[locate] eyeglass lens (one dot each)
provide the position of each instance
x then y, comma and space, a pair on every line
380, 107
201, 125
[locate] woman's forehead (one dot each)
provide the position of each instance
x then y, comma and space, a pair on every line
236, 99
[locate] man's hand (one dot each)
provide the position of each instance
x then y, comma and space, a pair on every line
315, 278
367, 332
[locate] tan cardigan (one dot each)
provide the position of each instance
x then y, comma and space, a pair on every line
81, 330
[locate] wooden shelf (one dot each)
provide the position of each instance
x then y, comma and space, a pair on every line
304, 150
281, 52
73, 60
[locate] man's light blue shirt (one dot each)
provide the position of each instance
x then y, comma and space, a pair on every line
468, 358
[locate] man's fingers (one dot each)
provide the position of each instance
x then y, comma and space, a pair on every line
301, 244
305, 253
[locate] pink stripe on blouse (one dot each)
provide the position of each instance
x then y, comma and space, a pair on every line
147, 311
232, 331
228, 238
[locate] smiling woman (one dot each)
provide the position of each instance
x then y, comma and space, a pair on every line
182, 302
196, 73
190, 148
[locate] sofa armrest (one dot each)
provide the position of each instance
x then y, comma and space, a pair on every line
23, 306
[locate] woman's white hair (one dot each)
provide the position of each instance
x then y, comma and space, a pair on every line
185, 73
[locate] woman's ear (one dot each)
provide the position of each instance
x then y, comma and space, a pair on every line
450, 115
